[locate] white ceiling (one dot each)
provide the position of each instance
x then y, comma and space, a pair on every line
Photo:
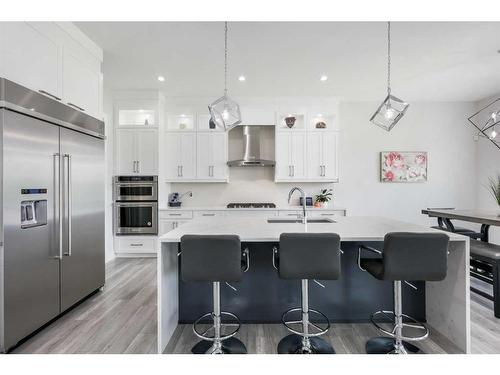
431, 61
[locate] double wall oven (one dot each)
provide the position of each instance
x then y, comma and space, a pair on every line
136, 205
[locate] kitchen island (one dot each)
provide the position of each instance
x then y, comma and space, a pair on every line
443, 305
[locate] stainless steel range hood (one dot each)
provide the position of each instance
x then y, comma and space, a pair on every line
251, 150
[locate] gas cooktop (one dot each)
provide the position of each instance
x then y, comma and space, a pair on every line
251, 205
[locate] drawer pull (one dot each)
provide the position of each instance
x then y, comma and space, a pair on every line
77, 107
49, 94
174, 214
327, 214
136, 244
208, 214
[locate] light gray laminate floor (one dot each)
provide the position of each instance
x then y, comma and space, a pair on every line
122, 319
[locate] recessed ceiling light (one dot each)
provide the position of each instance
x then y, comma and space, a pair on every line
161, 78
242, 78
323, 78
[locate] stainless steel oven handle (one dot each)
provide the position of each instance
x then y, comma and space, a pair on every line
69, 203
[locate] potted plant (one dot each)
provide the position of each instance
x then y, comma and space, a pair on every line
323, 198
494, 187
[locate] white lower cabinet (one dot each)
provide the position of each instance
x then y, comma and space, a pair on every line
168, 225
130, 245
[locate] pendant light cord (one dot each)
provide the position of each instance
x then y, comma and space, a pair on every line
225, 58
389, 58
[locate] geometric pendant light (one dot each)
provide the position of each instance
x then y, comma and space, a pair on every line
487, 120
392, 108
225, 112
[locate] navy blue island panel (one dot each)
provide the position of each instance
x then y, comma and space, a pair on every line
262, 297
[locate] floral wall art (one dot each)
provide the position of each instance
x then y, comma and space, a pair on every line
403, 166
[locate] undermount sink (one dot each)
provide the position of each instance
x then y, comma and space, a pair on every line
312, 220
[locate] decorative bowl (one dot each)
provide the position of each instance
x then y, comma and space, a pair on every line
290, 121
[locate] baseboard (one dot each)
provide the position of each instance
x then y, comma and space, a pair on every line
132, 255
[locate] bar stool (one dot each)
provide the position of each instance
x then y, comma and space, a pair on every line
306, 256
215, 258
405, 256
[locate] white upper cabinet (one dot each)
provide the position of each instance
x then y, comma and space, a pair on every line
81, 82
290, 156
180, 156
56, 59
126, 161
211, 152
307, 147
137, 151
322, 149
147, 151
29, 57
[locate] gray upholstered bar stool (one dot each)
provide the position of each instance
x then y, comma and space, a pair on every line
307, 256
405, 256
216, 259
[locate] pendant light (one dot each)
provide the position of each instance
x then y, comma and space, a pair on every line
225, 112
392, 109
487, 121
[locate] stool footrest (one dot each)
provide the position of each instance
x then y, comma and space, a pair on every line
204, 334
319, 330
413, 324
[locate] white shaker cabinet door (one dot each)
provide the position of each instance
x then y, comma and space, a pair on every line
80, 83
330, 152
126, 156
29, 57
204, 156
218, 152
315, 155
172, 154
298, 155
283, 168
147, 151
188, 156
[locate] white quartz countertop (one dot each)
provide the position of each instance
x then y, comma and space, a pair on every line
255, 229
224, 208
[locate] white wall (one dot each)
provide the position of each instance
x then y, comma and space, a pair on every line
488, 165
441, 129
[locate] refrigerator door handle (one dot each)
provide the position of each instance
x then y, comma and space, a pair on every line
58, 202
69, 201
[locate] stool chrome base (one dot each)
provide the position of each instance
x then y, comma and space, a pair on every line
229, 346
387, 345
294, 344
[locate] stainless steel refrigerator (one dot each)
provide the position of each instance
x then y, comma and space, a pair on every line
52, 210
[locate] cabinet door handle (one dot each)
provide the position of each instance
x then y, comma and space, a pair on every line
293, 170
289, 171
182, 174
174, 214
136, 244
77, 107
138, 166
49, 94
178, 171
